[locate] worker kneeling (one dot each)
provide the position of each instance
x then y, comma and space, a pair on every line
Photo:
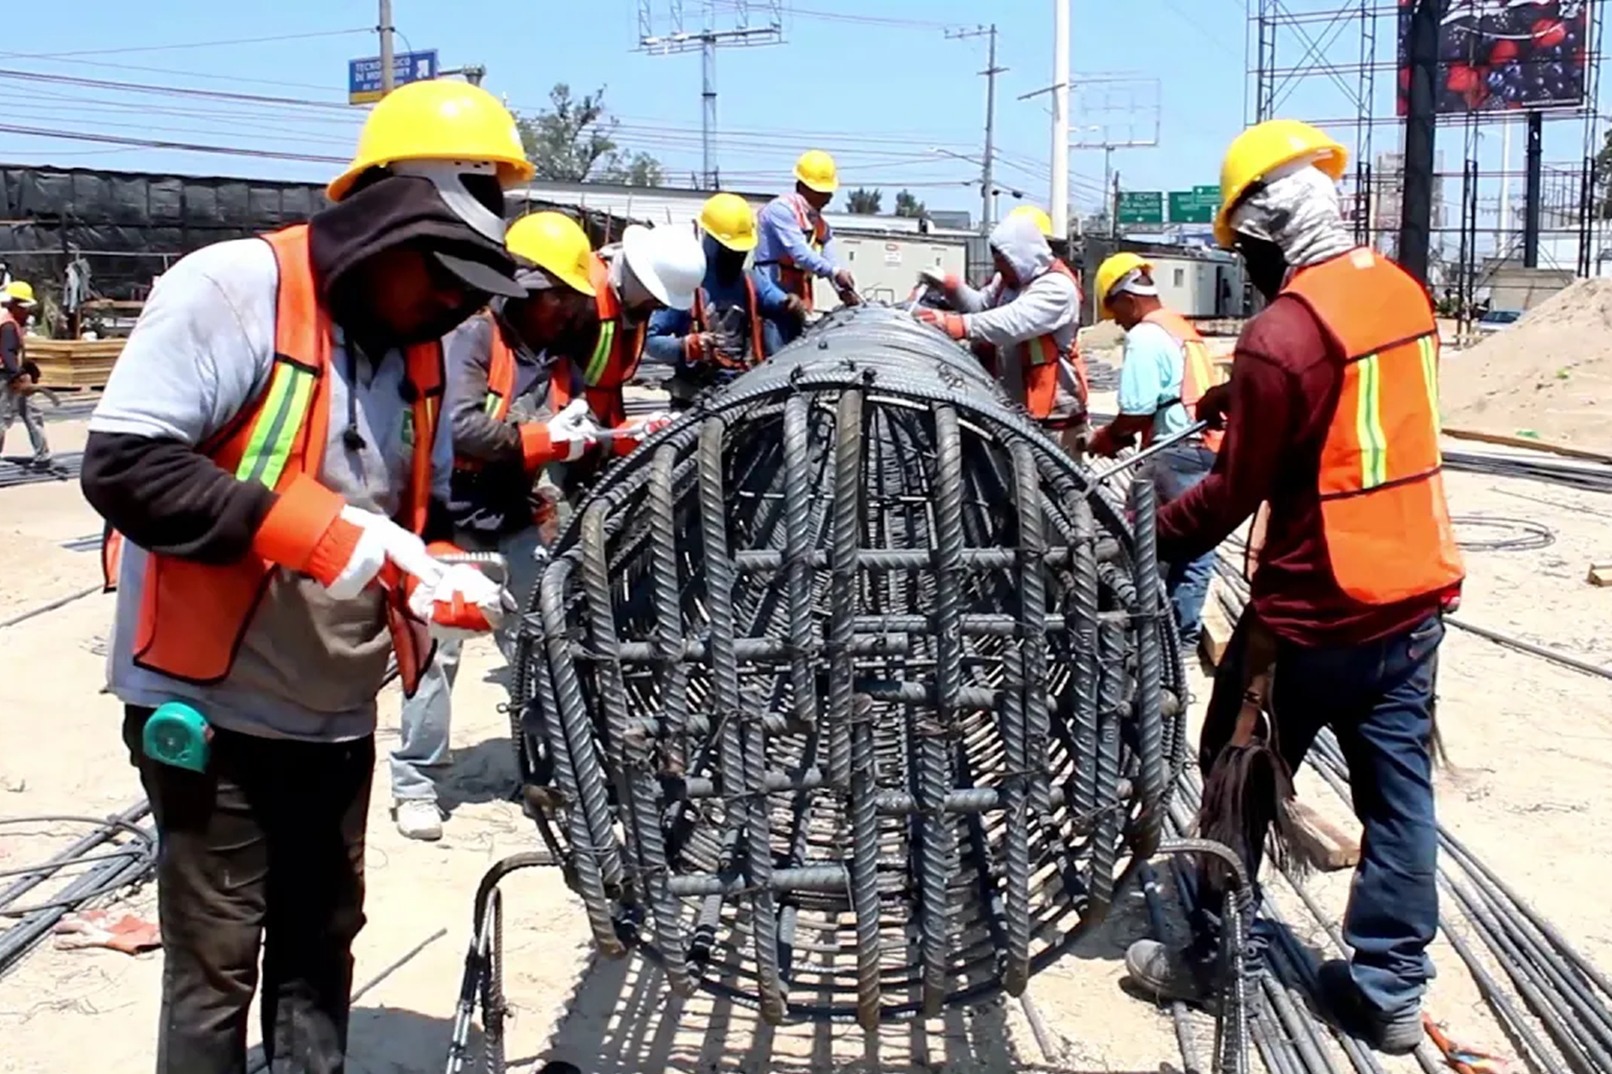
515, 406
1164, 372
1028, 315
270, 447
1332, 420
735, 319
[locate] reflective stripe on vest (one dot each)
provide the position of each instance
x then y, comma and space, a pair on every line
193, 616
1041, 392
1197, 368
1383, 512
615, 353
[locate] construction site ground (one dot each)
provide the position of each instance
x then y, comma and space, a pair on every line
1526, 788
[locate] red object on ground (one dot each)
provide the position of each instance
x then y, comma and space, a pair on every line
97, 928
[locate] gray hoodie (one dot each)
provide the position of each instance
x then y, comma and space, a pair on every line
1045, 303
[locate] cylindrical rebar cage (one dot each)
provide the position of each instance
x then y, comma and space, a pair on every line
850, 694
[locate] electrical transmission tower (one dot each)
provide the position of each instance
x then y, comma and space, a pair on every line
678, 38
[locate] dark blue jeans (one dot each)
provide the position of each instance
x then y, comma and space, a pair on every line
1378, 699
1175, 470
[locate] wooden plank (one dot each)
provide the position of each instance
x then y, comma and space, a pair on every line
1328, 847
1526, 442
1217, 626
1600, 574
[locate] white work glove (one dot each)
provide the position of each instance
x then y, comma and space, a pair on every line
574, 430
380, 542
459, 601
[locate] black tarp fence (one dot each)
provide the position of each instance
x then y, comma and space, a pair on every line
130, 226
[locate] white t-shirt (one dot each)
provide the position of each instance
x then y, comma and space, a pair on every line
202, 350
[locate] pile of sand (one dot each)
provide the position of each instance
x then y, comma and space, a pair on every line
1547, 376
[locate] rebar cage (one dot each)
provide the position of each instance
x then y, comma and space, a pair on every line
850, 693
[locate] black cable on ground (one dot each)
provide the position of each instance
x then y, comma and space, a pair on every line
50, 606
1515, 534
112, 873
1587, 477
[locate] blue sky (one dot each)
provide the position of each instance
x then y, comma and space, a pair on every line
876, 82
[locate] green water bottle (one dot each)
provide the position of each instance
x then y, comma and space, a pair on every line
178, 735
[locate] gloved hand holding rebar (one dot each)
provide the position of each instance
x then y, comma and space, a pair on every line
459, 601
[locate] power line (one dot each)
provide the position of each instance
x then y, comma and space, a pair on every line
178, 91
153, 143
186, 45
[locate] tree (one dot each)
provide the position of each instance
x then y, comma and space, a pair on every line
907, 204
574, 139
864, 202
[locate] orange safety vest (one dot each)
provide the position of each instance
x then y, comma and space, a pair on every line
1197, 371
793, 280
501, 374
1383, 514
757, 338
193, 616
1041, 379
617, 350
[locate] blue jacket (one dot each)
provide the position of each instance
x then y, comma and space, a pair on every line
780, 235
669, 328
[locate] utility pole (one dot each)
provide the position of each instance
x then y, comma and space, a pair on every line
706, 40
385, 30
1058, 200
1113, 209
987, 165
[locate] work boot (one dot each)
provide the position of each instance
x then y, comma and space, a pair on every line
1166, 974
1342, 1001
419, 818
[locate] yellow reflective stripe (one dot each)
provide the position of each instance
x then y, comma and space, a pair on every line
1368, 425
491, 406
1430, 378
277, 425
601, 353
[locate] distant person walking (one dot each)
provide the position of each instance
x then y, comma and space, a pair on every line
21, 377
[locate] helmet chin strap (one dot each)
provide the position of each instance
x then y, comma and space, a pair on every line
448, 177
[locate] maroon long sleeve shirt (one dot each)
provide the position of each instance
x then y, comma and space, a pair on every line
1286, 377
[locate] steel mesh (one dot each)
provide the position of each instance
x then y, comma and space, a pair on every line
849, 694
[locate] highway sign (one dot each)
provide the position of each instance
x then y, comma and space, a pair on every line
364, 76
1195, 206
1141, 207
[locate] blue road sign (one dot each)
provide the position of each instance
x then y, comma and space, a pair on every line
364, 76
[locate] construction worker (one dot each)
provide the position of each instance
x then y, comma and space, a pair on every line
269, 448
1164, 372
734, 322
21, 376
651, 269
1030, 314
793, 247
1332, 418
514, 407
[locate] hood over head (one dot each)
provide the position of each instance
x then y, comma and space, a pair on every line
1021, 244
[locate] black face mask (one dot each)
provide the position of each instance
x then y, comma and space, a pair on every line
1267, 265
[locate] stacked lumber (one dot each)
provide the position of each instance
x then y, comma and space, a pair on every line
74, 363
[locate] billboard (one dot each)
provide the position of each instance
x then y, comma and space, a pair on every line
1496, 55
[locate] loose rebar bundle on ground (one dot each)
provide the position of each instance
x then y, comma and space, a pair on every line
848, 692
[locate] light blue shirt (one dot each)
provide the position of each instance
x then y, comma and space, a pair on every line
1150, 377
780, 235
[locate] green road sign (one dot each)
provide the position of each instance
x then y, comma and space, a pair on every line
1195, 206
1141, 207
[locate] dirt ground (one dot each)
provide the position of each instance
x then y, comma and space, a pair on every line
1546, 376
1530, 761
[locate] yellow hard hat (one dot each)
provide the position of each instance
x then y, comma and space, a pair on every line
1114, 269
437, 120
556, 244
20, 291
816, 169
1263, 148
1041, 220
728, 219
